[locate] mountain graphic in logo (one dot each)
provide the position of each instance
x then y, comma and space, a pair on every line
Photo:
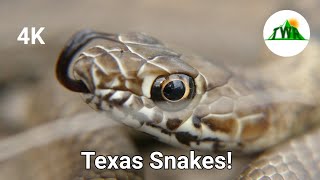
287, 31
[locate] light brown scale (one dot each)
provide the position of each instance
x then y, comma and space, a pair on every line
107, 63
252, 130
129, 63
149, 69
174, 65
227, 125
96, 51
150, 52
108, 72
223, 105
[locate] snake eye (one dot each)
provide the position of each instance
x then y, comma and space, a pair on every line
173, 92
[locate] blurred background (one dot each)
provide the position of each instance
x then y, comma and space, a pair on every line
225, 31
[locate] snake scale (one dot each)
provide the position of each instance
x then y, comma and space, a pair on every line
189, 102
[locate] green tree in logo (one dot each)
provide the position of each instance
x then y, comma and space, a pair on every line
287, 31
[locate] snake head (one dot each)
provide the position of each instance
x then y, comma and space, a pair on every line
154, 89
182, 100
141, 82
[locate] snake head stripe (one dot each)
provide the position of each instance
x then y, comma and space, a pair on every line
179, 99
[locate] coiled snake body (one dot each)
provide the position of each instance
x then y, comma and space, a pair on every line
190, 102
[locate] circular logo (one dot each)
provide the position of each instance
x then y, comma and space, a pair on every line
286, 33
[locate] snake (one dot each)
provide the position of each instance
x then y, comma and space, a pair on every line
187, 101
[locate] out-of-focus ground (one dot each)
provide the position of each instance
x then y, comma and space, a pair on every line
225, 31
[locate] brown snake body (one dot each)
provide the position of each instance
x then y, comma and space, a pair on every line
132, 76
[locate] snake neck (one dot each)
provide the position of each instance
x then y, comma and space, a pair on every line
290, 89
259, 108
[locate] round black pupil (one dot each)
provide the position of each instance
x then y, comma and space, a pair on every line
174, 90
